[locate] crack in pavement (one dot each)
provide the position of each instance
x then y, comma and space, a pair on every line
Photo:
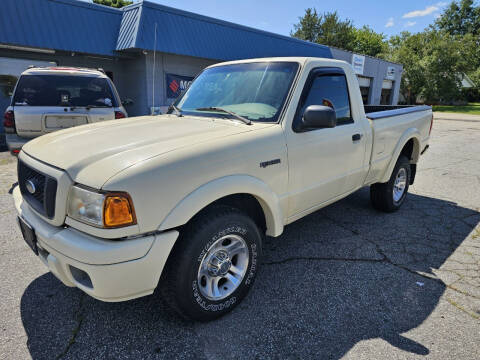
314, 258
76, 329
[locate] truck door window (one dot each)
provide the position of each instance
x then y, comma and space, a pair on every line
332, 91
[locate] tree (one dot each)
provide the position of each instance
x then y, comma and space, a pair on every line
368, 42
328, 29
433, 62
407, 49
113, 3
460, 18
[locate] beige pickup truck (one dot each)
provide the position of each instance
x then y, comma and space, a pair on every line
181, 202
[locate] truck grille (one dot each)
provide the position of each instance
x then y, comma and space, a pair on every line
38, 190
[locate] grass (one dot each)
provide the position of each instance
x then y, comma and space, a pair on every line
471, 108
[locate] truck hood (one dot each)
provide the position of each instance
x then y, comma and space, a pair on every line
93, 153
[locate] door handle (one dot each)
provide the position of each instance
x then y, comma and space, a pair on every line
356, 137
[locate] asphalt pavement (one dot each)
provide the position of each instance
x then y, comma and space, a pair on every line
345, 282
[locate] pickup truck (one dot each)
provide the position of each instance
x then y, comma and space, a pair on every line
182, 201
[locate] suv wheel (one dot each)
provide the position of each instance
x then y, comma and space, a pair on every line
213, 265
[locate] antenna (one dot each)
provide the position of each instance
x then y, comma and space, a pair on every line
153, 72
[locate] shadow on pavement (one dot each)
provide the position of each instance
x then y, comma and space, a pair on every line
339, 276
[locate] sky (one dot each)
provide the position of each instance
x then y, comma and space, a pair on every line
388, 17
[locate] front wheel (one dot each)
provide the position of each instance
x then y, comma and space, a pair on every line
390, 196
213, 265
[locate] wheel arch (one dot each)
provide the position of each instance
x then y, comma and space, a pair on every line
229, 190
408, 145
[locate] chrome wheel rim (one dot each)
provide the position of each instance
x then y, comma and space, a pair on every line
223, 267
399, 185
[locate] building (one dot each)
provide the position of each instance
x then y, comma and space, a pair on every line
152, 51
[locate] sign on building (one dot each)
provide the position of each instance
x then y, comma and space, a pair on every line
390, 73
176, 84
358, 63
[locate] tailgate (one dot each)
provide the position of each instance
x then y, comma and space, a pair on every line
29, 119
54, 121
33, 121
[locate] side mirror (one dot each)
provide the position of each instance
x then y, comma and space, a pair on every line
127, 102
318, 117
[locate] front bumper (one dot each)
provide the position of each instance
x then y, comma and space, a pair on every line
108, 270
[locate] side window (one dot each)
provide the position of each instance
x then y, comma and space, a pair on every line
331, 90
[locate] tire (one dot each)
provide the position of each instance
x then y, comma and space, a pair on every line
195, 281
385, 196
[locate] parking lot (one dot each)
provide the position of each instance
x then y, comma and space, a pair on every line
345, 282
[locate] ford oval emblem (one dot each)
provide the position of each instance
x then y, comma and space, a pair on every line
30, 185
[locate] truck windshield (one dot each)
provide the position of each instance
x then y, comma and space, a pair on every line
255, 91
63, 90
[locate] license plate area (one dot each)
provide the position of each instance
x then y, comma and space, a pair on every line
56, 122
28, 234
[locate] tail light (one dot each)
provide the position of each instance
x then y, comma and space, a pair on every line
119, 115
9, 122
431, 124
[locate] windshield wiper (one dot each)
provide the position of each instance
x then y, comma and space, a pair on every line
214, 108
178, 111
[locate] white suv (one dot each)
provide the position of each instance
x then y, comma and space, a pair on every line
53, 98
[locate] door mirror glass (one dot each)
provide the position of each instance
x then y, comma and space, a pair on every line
318, 117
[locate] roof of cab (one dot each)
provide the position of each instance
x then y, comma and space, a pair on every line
297, 59
61, 70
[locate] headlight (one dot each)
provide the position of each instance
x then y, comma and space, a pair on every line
100, 209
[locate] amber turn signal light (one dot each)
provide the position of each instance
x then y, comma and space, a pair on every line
118, 211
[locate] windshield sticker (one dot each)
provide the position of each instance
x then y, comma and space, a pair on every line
108, 102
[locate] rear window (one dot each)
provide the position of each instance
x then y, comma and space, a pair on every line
61, 90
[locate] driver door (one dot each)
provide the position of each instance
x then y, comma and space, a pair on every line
322, 160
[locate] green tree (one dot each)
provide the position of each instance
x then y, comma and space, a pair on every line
433, 62
407, 49
328, 29
113, 3
368, 42
460, 18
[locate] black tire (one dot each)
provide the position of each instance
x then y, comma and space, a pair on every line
381, 194
180, 285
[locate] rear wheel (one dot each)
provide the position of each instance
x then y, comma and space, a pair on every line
390, 196
213, 264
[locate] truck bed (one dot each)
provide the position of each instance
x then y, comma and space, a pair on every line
375, 112
388, 123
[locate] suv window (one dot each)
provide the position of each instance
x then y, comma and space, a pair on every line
63, 90
331, 90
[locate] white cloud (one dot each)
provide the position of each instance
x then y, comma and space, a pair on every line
427, 11
390, 23
409, 24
